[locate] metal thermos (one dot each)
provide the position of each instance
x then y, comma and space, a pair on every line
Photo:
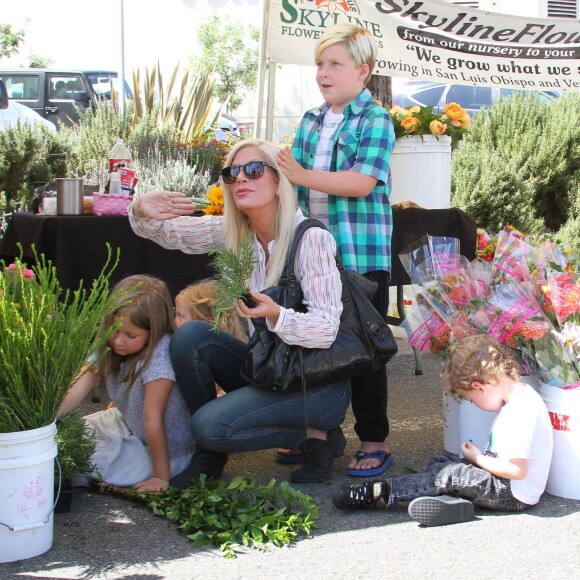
69, 196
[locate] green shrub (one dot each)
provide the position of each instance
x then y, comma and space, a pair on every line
89, 142
75, 442
28, 155
519, 164
162, 174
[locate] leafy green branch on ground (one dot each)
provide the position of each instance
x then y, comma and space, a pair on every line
231, 515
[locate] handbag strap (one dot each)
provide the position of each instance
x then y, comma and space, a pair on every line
289, 273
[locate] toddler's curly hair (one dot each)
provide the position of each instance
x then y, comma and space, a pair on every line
478, 358
200, 298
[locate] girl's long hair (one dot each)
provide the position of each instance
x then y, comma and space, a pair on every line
237, 225
145, 301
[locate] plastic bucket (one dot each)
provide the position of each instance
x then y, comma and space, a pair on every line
421, 171
26, 492
564, 408
475, 424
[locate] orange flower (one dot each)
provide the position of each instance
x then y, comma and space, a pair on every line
410, 123
216, 195
437, 127
213, 210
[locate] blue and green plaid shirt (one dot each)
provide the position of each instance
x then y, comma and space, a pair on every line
362, 226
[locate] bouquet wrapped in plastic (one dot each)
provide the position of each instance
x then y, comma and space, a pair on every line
527, 295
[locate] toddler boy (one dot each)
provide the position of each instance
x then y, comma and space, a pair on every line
510, 475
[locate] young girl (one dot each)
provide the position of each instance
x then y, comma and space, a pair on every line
196, 301
145, 439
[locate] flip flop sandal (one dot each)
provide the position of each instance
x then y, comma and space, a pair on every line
386, 460
290, 456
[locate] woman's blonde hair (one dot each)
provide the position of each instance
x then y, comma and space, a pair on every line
237, 225
358, 41
478, 358
200, 298
146, 302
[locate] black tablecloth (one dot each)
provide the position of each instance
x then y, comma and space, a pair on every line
77, 245
411, 224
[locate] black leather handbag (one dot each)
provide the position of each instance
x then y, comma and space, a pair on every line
364, 341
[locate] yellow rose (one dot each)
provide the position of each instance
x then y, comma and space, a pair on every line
413, 109
454, 111
410, 124
465, 121
396, 110
437, 127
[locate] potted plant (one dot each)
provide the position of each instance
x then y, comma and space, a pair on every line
75, 443
46, 336
423, 121
421, 158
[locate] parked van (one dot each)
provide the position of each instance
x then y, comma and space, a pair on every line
472, 99
56, 94
12, 113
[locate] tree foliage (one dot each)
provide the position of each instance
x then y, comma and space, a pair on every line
232, 53
520, 164
36, 60
10, 40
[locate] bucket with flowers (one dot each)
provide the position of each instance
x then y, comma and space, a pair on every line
425, 139
46, 335
524, 291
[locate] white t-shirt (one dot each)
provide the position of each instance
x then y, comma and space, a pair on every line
318, 201
522, 430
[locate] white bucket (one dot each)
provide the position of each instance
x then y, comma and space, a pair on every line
421, 171
451, 424
475, 424
564, 408
26, 492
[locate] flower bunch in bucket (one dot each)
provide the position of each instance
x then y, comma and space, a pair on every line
409, 121
526, 296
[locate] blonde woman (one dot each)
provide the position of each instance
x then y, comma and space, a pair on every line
260, 201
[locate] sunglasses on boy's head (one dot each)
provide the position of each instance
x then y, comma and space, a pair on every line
252, 170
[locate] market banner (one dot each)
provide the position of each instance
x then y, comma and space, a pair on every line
436, 41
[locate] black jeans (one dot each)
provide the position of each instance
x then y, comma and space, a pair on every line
369, 392
447, 475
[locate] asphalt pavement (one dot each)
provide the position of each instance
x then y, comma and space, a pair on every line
106, 537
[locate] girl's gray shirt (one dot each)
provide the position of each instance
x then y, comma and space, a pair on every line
130, 401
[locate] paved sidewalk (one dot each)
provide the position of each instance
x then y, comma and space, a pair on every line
105, 537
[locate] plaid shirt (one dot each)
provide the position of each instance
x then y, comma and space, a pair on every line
363, 142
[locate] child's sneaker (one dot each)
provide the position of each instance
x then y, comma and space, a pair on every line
441, 510
347, 496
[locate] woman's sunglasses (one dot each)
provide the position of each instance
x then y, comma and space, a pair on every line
252, 170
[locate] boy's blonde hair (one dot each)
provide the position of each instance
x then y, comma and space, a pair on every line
358, 41
478, 358
200, 298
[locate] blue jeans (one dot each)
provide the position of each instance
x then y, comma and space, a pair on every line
247, 418
447, 475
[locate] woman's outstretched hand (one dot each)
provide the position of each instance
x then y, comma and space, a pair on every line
265, 307
163, 205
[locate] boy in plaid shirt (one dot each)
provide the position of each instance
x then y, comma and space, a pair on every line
340, 162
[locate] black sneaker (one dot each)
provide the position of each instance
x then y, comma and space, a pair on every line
441, 510
347, 496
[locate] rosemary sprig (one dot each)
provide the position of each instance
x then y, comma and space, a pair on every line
234, 271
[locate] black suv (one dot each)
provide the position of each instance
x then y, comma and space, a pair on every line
56, 94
